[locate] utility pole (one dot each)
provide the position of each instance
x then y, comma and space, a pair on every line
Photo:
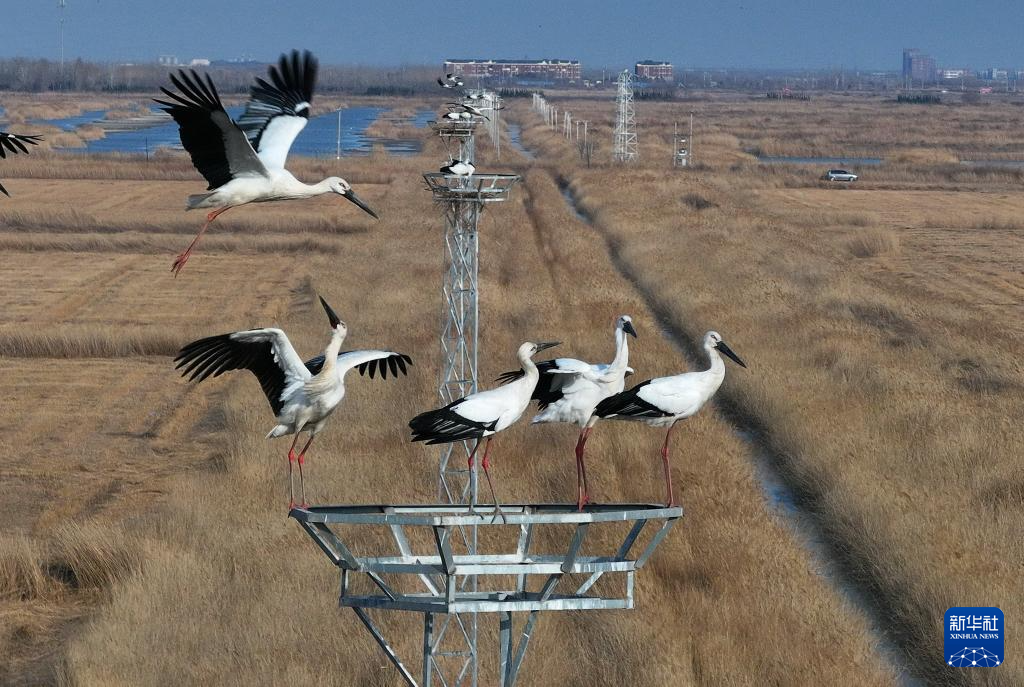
60, 38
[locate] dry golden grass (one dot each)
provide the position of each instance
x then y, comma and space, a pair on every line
888, 390
182, 476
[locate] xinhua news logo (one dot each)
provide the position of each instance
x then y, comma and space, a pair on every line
974, 637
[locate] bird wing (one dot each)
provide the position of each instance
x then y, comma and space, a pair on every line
365, 360
219, 149
277, 111
631, 403
15, 143
267, 353
555, 376
448, 424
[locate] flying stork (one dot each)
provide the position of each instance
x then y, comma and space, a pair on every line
244, 161
301, 394
450, 81
15, 143
460, 108
482, 414
569, 390
663, 401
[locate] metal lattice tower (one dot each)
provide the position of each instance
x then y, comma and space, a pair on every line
462, 200
625, 148
440, 560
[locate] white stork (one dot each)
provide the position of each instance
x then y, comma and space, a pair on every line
482, 414
301, 394
463, 109
459, 168
453, 116
569, 390
450, 81
244, 161
15, 143
663, 401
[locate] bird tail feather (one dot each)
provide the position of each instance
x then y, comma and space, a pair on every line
197, 200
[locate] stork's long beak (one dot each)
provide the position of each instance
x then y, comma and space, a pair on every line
351, 195
628, 328
728, 352
331, 315
547, 344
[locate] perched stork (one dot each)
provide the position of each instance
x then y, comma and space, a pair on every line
459, 168
244, 161
301, 394
15, 143
663, 401
482, 414
569, 390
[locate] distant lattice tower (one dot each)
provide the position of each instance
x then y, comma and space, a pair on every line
625, 148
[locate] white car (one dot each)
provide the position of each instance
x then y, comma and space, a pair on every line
839, 175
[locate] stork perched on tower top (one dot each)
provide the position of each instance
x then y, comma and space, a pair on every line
569, 390
482, 414
663, 401
301, 394
244, 161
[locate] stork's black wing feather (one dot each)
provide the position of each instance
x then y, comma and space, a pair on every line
395, 362
629, 404
215, 355
288, 93
549, 386
15, 143
219, 149
444, 426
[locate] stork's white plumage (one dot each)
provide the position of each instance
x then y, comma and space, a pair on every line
244, 161
301, 394
663, 401
450, 81
15, 143
482, 414
569, 390
464, 109
459, 168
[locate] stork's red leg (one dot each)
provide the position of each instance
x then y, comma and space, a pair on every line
667, 467
472, 455
179, 262
291, 481
302, 459
581, 456
486, 463
580, 499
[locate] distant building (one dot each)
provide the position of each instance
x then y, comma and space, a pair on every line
650, 70
995, 74
555, 70
199, 62
918, 66
168, 60
954, 73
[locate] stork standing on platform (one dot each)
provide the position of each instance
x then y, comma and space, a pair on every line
459, 168
569, 390
244, 161
301, 394
663, 401
15, 143
482, 414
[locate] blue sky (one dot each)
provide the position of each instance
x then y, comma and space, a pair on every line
867, 34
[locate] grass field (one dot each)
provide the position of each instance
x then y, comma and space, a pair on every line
144, 517
887, 319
